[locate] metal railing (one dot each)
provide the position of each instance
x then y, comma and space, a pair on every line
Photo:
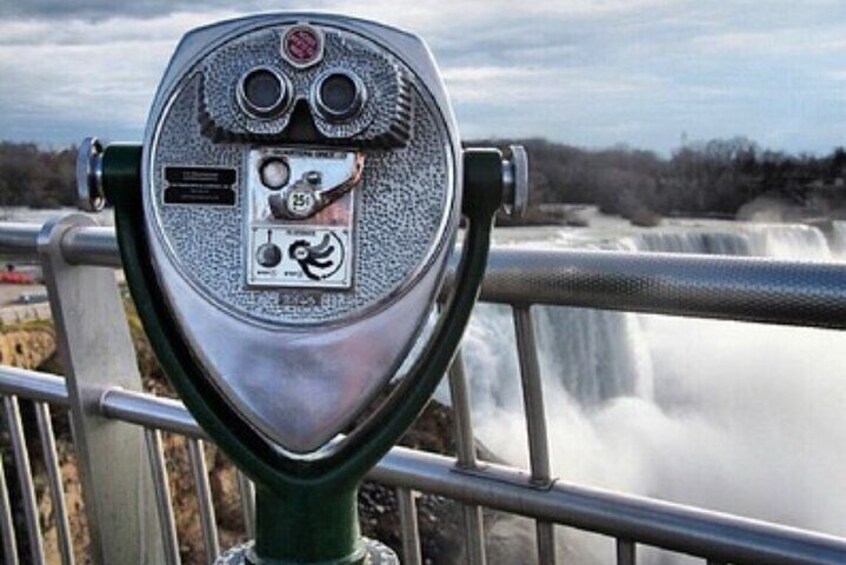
117, 428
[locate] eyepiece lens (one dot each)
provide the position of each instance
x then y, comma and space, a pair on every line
340, 96
338, 93
263, 92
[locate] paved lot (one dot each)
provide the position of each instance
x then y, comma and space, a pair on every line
10, 293
12, 310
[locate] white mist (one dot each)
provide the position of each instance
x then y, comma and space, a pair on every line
743, 418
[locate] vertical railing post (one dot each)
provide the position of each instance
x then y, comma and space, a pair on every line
197, 456
530, 378
7, 526
409, 527
54, 477
466, 456
96, 350
25, 479
247, 494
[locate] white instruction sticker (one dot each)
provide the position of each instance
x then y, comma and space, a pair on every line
300, 256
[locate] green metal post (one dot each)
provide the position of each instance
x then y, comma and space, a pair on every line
305, 526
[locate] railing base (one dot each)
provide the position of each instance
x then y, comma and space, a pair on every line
376, 553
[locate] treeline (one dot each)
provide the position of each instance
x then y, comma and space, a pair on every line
713, 177
31, 176
707, 178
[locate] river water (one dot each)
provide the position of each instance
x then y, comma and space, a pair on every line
738, 417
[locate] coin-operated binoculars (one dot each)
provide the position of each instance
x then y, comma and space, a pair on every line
285, 231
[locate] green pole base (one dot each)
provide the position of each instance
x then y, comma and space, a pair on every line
375, 553
306, 524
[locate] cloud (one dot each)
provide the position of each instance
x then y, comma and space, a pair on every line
580, 71
83, 77
98, 10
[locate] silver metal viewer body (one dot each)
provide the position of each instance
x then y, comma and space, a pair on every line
301, 188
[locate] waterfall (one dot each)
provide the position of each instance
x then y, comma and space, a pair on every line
738, 417
791, 241
838, 239
709, 243
600, 357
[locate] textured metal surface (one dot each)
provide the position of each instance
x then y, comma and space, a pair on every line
25, 479
735, 288
54, 478
384, 118
403, 204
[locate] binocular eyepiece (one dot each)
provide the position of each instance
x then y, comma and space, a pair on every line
306, 84
264, 93
337, 95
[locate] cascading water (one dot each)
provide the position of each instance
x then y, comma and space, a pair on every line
600, 357
738, 417
768, 240
838, 239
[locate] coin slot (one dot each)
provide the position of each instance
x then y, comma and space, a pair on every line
274, 173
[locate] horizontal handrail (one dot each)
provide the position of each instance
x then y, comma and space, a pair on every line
20, 239
663, 524
33, 385
719, 537
150, 411
88, 245
752, 289
96, 246
737, 288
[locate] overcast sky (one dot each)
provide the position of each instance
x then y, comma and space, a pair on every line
591, 73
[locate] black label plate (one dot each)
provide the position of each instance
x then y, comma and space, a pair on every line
196, 176
189, 194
